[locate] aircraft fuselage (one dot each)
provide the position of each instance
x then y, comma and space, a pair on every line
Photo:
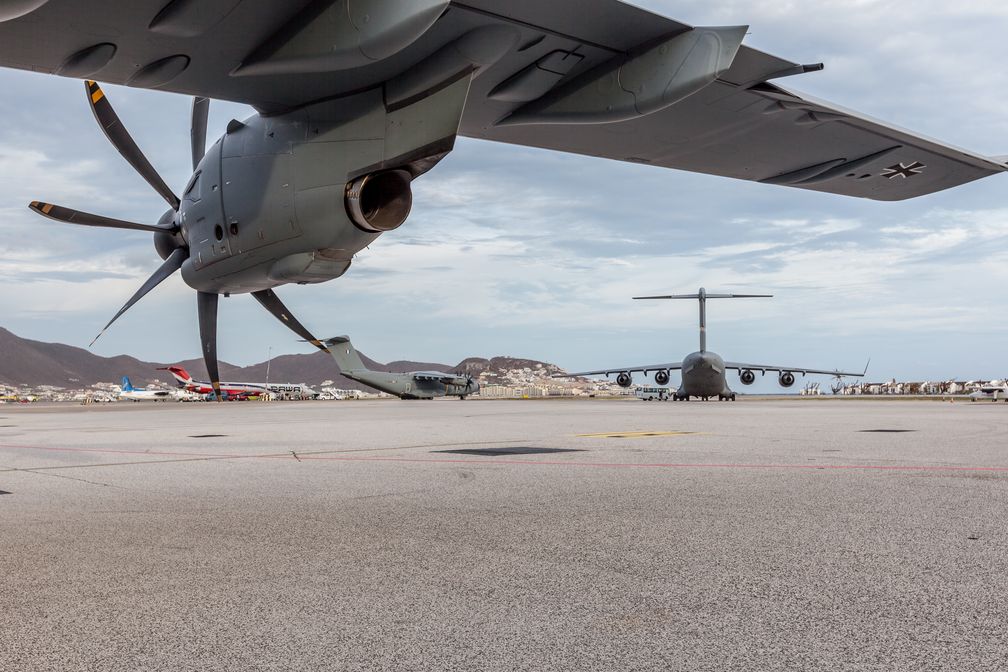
408, 386
703, 375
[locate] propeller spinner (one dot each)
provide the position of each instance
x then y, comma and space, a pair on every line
168, 238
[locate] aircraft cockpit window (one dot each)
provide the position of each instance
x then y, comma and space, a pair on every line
192, 192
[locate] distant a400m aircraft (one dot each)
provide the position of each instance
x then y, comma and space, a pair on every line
408, 385
704, 372
357, 98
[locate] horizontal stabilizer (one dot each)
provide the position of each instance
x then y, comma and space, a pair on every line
706, 296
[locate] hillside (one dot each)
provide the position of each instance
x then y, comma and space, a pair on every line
33, 363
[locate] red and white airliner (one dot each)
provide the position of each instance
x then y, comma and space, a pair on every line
240, 390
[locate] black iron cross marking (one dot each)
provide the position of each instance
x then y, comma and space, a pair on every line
904, 171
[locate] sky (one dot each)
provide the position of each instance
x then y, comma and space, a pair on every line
529, 253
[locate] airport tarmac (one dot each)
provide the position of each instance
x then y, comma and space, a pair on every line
800, 534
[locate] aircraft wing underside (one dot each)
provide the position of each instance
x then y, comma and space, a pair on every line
630, 369
531, 58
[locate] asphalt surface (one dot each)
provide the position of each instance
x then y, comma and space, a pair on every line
478, 535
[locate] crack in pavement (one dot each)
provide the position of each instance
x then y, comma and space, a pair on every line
37, 472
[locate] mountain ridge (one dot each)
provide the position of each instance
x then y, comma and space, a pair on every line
26, 362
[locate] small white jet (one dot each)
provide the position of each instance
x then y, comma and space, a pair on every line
142, 394
995, 390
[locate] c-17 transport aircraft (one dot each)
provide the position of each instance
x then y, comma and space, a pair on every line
355, 99
411, 385
704, 372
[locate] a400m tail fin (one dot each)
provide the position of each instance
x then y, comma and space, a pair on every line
343, 352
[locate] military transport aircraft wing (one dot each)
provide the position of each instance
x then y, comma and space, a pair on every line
593, 77
437, 377
630, 369
739, 366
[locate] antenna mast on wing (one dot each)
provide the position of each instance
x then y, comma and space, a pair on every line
702, 296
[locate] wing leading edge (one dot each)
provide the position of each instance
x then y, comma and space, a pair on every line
630, 369
739, 366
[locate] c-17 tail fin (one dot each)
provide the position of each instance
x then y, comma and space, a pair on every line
343, 352
703, 295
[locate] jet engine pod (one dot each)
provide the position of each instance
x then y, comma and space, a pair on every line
747, 377
624, 379
381, 201
661, 378
786, 379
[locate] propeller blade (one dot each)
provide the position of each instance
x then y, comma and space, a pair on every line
198, 129
271, 302
206, 306
170, 265
121, 140
71, 216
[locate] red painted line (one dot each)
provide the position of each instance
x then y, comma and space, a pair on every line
539, 463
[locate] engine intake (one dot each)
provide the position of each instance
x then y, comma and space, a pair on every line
624, 380
786, 379
661, 378
381, 201
747, 377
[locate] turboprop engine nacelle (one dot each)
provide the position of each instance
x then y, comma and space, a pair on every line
786, 379
747, 377
381, 201
661, 378
624, 380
